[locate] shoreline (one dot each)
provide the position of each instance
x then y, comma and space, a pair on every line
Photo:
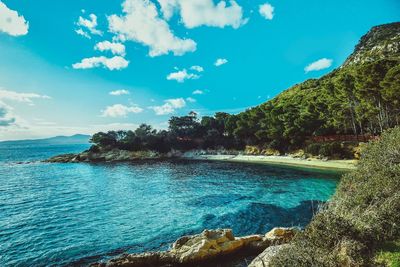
344, 165
116, 155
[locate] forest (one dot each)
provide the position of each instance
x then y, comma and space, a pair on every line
356, 99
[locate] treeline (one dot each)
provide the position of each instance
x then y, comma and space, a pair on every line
184, 133
355, 99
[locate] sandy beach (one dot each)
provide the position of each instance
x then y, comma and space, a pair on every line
280, 160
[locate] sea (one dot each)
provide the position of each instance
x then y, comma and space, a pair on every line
74, 214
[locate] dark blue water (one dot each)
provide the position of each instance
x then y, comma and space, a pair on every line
74, 214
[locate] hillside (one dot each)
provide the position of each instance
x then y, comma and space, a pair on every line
361, 97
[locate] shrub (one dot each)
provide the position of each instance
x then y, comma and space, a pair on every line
94, 149
330, 150
361, 216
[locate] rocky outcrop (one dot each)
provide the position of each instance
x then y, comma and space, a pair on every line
105, 156
264, 259
207, 246
381, 42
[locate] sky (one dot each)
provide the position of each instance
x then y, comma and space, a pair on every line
84, 66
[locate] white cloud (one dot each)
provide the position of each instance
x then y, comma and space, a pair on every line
320, 64
220, 62
115, 48
20, 97
182, 75
89, 24
114, 63
6, 118
195, 13
169, 107
83, 33
119, 92
11, 22
190, 99
197, 68
197, 92
267, 11
141, 23
119, 110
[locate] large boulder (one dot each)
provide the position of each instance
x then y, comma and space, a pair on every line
205, 246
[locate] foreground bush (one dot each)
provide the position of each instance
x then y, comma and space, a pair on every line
363, 214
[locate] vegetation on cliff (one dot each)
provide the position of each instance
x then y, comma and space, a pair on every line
362, 217
360, 98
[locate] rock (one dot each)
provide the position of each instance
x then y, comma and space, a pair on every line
203, 247
62, 158
148, 259
207, 245
280, 235
113, 155
298, 154
270, 152
264, 259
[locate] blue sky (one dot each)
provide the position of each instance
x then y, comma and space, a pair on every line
82, 66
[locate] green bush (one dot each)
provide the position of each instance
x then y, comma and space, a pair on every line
361, 216
313, 149
330, 150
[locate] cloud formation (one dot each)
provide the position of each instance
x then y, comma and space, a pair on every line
197, 68
320, 64
20, 97
169, 107
141, 23
119, 92
197, 92
182, 75
220, 62
190, 99
114, 63
196, 13
267, 11
114, 48
119, 110
5, 116
89, 25
11, 22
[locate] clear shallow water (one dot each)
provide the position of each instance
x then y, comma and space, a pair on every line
74, 214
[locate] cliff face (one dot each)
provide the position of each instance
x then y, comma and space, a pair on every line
381, 42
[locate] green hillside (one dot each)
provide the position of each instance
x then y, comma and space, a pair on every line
361, 97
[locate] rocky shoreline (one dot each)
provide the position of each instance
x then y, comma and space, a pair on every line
210, 245
114, 155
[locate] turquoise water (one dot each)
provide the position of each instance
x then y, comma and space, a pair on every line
75, 214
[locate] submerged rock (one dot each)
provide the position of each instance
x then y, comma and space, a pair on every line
204, 247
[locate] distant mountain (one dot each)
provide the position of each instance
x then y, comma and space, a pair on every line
57, 140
